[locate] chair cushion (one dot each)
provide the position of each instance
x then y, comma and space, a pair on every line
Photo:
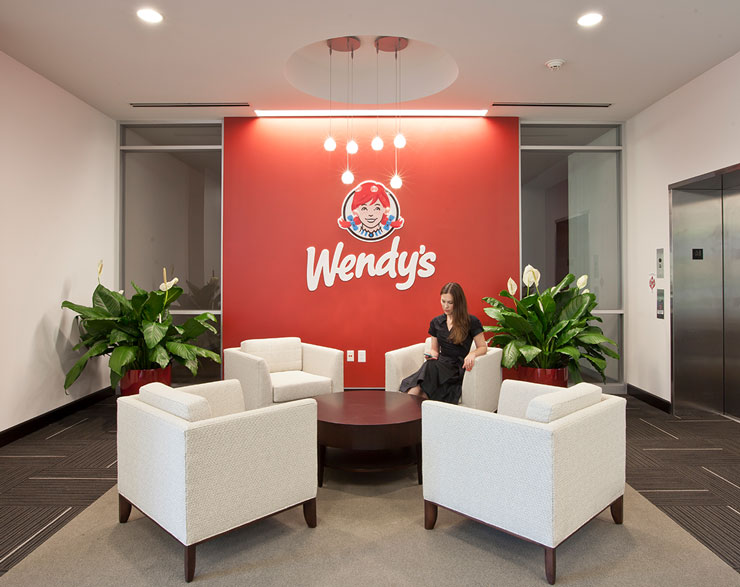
290, 385
280, 354
187, 406
552, 406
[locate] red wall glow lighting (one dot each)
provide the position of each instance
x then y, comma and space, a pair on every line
283, 239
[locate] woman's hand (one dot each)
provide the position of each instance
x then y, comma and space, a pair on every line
480, 349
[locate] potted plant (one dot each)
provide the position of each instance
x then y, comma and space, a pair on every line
138, 334
551, 329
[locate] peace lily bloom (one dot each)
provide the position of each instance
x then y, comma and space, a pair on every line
531, 276
585, 291
167, 284
582, 281
100, 269
511, 286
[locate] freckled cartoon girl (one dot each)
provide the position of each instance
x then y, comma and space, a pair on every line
370, 217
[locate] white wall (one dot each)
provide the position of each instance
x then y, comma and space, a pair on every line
694, 130
59, 217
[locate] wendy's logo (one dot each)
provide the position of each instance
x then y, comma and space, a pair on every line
370, 212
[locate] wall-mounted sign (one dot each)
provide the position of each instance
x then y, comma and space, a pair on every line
370, 213
661, 304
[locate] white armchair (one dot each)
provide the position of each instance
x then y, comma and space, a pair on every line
549, 461
480, 387
193, 461
274, 370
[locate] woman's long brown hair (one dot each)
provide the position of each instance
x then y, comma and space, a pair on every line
460, 316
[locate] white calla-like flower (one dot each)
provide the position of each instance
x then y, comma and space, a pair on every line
585, 291
168, 284
530, 276
511, 286
582, 281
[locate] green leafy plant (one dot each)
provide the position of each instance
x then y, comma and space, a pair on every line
137, 333
549, 329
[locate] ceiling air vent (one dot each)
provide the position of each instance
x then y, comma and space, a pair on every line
555, 104
188, 104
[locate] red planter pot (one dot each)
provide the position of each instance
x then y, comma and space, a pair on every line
558, 377
133, 379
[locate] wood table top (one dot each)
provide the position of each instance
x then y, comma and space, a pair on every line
368, 408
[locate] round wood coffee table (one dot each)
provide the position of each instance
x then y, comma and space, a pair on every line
368, 421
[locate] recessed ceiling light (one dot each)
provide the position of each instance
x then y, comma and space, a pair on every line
149, 15
590, 19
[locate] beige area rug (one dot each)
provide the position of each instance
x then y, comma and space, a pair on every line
370, 532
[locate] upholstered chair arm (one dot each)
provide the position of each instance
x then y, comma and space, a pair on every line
224, 397
516, 395
250, 464
400, 363
325, 361
482, 384
253, 375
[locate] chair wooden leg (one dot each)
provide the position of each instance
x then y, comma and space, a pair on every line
550, 564
309, 512
430, 514
189, 562
617, 509
124, 509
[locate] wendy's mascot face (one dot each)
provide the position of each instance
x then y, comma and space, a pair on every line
370, 212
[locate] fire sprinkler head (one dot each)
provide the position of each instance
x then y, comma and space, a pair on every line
554, 64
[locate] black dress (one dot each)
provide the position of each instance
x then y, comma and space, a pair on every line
441, 380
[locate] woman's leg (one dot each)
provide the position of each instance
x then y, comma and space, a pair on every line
416, 390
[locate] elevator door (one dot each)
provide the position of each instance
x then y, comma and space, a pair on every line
731, 206
696, 249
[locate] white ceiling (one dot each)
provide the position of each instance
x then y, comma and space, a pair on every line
238, 50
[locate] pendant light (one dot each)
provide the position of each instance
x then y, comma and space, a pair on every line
399, 141
352, 146
346, 45
330, 144
395, 45
377, 142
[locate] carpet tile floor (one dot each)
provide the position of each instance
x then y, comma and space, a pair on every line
689, 467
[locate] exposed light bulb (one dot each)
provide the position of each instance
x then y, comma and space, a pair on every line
396, 181
377, 143
590, 19
330, 144
399, 141
348, 177
352, 147
149, 15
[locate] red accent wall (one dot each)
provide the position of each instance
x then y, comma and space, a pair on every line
283, 194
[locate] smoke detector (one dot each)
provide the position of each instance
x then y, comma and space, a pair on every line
554, 64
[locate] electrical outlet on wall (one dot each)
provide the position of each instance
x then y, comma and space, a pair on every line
360, 356
350, 356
